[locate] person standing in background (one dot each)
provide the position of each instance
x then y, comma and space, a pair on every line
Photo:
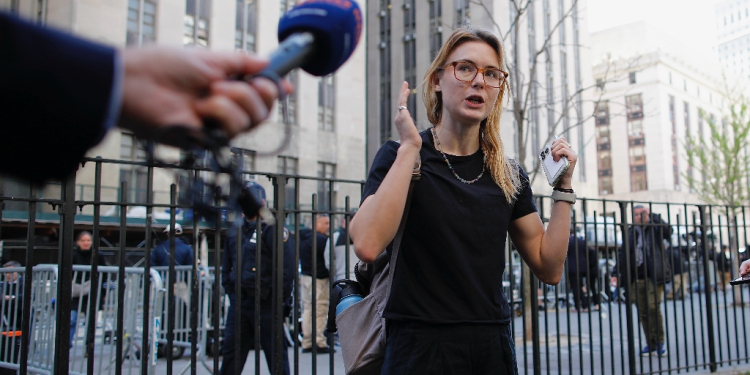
314, 305
339, 253
183, 253
582, 264
242, 301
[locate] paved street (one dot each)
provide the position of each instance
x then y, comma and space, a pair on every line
581, 343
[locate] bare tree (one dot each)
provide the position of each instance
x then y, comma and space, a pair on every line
525, 66
724, 162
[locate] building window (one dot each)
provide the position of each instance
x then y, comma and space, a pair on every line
326, 103
285, 6
602, 135
246, 23
670, 78
136, 176
603, 147
631, 77
637, 156
288, 166
463, 15
600, 84
386, 122
634, 107
636, 142
436, 27
605, 160
684, 84
605, 185
141, 25
197, 16
673, 140
246, 160
686, 115
638, 181
410, 54
291, 99
326, 195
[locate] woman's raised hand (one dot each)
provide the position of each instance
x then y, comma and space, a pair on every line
407, 131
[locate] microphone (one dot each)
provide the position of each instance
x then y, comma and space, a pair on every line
318, 36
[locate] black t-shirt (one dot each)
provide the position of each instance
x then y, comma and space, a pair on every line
452, 255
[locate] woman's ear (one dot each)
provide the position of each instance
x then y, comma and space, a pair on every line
435, 81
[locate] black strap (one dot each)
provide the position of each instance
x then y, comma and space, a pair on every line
415, 176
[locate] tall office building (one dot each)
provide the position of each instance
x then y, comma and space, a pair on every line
405, 35
733, 31
655, 92
327, 113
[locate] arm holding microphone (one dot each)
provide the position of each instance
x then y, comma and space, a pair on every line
60, 94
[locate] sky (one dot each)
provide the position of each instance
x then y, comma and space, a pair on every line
692, 22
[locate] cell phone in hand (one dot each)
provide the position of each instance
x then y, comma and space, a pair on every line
554, 170
744, 279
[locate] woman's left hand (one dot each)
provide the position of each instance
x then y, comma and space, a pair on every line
561, 148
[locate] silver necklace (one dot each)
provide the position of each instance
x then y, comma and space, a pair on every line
445, 157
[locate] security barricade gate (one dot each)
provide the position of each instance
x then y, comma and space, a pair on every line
44, 329
183, 300
11, 308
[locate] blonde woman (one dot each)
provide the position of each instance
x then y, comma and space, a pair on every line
447, 313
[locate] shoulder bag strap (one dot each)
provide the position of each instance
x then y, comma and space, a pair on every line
415, 176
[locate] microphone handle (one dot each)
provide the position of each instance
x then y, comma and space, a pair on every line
292, 53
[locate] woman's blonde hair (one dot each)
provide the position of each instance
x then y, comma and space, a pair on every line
504, 171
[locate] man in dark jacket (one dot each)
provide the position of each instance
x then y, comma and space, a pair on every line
314, 305
649, 270
183, 253
245, 296
582, 263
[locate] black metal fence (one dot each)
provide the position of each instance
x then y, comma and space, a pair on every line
151, 312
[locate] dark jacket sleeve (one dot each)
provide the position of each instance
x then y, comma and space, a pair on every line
226, 268
55, 93
290, 266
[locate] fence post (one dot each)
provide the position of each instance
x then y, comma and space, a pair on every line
624, 283
279, 187
707, 288
535, 344
27, 283
65, 275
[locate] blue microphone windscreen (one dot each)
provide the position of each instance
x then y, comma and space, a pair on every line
336, 24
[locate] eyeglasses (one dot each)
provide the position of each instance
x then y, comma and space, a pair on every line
466, 71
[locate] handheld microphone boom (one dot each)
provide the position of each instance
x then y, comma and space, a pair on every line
318, 36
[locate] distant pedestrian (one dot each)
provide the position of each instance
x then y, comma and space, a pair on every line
580, 259
183, 253
648, 274
338, 270
242, 301
314, 307
83, 255
679, 282
723, 261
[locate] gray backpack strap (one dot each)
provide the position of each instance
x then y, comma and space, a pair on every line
415, 176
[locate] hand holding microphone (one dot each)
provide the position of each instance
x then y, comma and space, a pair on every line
197, 98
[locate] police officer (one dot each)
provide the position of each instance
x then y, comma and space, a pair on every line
246, 295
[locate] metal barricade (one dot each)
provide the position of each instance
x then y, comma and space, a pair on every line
43, 324
183, 301
11, 306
